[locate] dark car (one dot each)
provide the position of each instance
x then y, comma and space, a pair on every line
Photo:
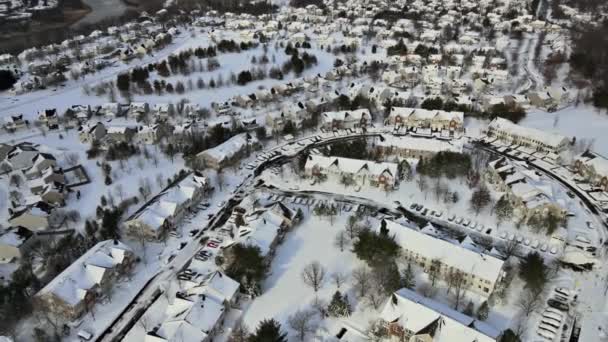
558, 305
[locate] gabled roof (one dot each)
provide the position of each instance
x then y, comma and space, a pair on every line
423, 315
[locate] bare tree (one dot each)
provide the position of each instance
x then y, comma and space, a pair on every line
362, 280
313, 275
511, 248
302, 322
341, 240
375, 295
529, 302
459, 283
351, 227
338, 278
434, 271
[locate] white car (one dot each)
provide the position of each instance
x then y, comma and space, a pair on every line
553, 250
545, 333
543, 247
535, 244
527, 242
511, 237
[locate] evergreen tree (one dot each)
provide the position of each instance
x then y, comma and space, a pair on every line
339, 306
409, 278
469, 309
269, 330
483, 311
503, 209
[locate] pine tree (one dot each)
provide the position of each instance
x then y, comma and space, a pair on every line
482, 311
269, 330
409, 278
339, 306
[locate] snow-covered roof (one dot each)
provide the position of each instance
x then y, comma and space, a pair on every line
422, 315
480, 265
547, 138
425, 114
419, 144
165, 204
229, 148
351, 166
74, 282
599, 163
346, 115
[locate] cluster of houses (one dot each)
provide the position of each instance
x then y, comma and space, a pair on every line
483, 271
161, 214
423, 122
520, 185
90, 278
51, 64
48, 184
531, 141
383, 175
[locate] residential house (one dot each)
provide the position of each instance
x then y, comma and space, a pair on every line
518, 186
346, 119
49, 117
482, 271
383, 175
15, 243
536, 139
75, 290
34, 217
427, 122
14, 122
409, 316
390, 145
228, 152
90, 132
165, 210
593, 168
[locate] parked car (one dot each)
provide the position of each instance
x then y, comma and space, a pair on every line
84, 335
413, 206
438, 213
558, 304
452, 218
424, 211
466, 222
543, 247
459, 220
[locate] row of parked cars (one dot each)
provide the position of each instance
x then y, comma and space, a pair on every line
553, 320
210, 249
480, 228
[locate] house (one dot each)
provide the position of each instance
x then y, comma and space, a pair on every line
228, 152
14, 122
14, 243
91, 132
593, 168
118, 134
482, 271
34, 217
146, 134
75, 290
138, 109
21, 156
195, 313
49, 117
161, 214
527, 199
346, 119
427, 122
40, 162
409, 316
383, 175
414, 147
539, 140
